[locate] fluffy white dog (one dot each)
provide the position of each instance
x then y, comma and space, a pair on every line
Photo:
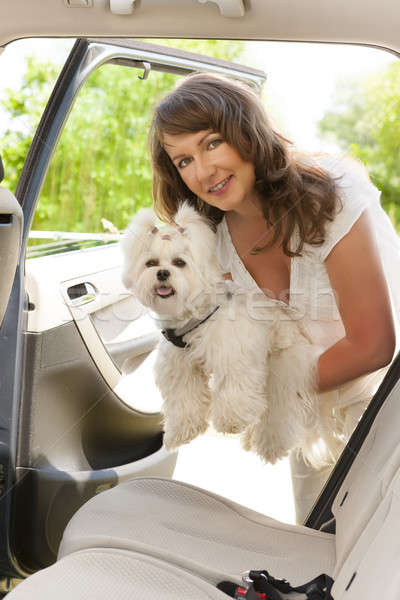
217, 363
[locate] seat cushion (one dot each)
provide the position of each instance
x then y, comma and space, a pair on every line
206, 534
107, 574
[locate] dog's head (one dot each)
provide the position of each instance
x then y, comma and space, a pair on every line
170, 269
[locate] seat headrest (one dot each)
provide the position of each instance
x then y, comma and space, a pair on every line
1, 170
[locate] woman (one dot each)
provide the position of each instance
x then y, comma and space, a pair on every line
299, 229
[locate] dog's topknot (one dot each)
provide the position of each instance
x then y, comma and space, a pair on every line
188, 215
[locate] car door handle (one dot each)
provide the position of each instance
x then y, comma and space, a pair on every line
82, 293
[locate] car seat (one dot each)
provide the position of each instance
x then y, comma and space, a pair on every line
156, 538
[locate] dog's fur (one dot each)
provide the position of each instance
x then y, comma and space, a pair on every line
245, 375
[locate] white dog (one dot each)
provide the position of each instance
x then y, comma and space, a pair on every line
216, 363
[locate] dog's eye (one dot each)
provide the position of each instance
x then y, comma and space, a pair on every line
152, 263
178, 262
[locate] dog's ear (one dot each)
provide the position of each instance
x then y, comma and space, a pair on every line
134, 240
195, 226
187, 216
201, 236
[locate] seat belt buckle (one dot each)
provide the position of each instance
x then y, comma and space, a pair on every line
258, 585
242, 594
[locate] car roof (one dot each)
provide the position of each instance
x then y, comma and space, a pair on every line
355, 21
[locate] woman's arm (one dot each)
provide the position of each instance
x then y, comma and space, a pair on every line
357, 278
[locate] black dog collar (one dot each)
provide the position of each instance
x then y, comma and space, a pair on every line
176, 338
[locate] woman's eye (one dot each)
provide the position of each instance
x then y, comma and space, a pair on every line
178, 262
214, 143
183, 163
151, 263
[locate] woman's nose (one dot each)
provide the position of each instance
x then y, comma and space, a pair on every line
204, 169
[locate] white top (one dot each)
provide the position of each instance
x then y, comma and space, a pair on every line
311, 294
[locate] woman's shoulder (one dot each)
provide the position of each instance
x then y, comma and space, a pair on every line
351, 176
355, 192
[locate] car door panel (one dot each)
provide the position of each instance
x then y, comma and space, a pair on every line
84, 436
82, 440
111, 321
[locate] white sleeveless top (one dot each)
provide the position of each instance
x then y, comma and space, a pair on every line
311, 294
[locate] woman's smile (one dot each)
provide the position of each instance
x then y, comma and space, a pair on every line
213, 170
221, 187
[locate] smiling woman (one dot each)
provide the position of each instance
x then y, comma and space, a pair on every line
233, 132
212, 169
293, 227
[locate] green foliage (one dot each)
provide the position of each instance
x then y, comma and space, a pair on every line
24, 108
100, 168
366, 124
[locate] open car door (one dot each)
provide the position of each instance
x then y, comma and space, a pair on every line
75, 349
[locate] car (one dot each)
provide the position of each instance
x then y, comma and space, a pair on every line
89, 506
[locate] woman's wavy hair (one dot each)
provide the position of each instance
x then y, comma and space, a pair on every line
294, 192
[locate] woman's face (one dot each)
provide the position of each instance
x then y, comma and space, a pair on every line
213, 170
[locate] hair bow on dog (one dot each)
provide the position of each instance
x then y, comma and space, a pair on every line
166, 236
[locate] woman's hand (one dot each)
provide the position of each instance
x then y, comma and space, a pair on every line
357, 278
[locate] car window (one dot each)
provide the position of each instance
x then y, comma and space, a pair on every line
100, 173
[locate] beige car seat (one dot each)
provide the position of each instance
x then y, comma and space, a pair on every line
155, 538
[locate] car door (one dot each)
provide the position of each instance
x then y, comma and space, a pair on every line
79, 410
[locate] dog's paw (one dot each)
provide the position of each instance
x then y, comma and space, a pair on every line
246, 439
182, 433
228, 423
266, 442
271, 454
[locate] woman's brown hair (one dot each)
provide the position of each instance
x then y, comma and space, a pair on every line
294, 192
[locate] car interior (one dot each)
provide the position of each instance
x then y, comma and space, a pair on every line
89, 507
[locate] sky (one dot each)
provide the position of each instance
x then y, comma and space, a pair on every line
301, 78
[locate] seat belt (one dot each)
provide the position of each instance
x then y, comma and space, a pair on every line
260, 585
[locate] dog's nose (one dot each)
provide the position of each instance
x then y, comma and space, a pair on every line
162, 274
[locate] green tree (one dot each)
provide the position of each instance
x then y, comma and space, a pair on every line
365, 122
24, 108
100, 168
